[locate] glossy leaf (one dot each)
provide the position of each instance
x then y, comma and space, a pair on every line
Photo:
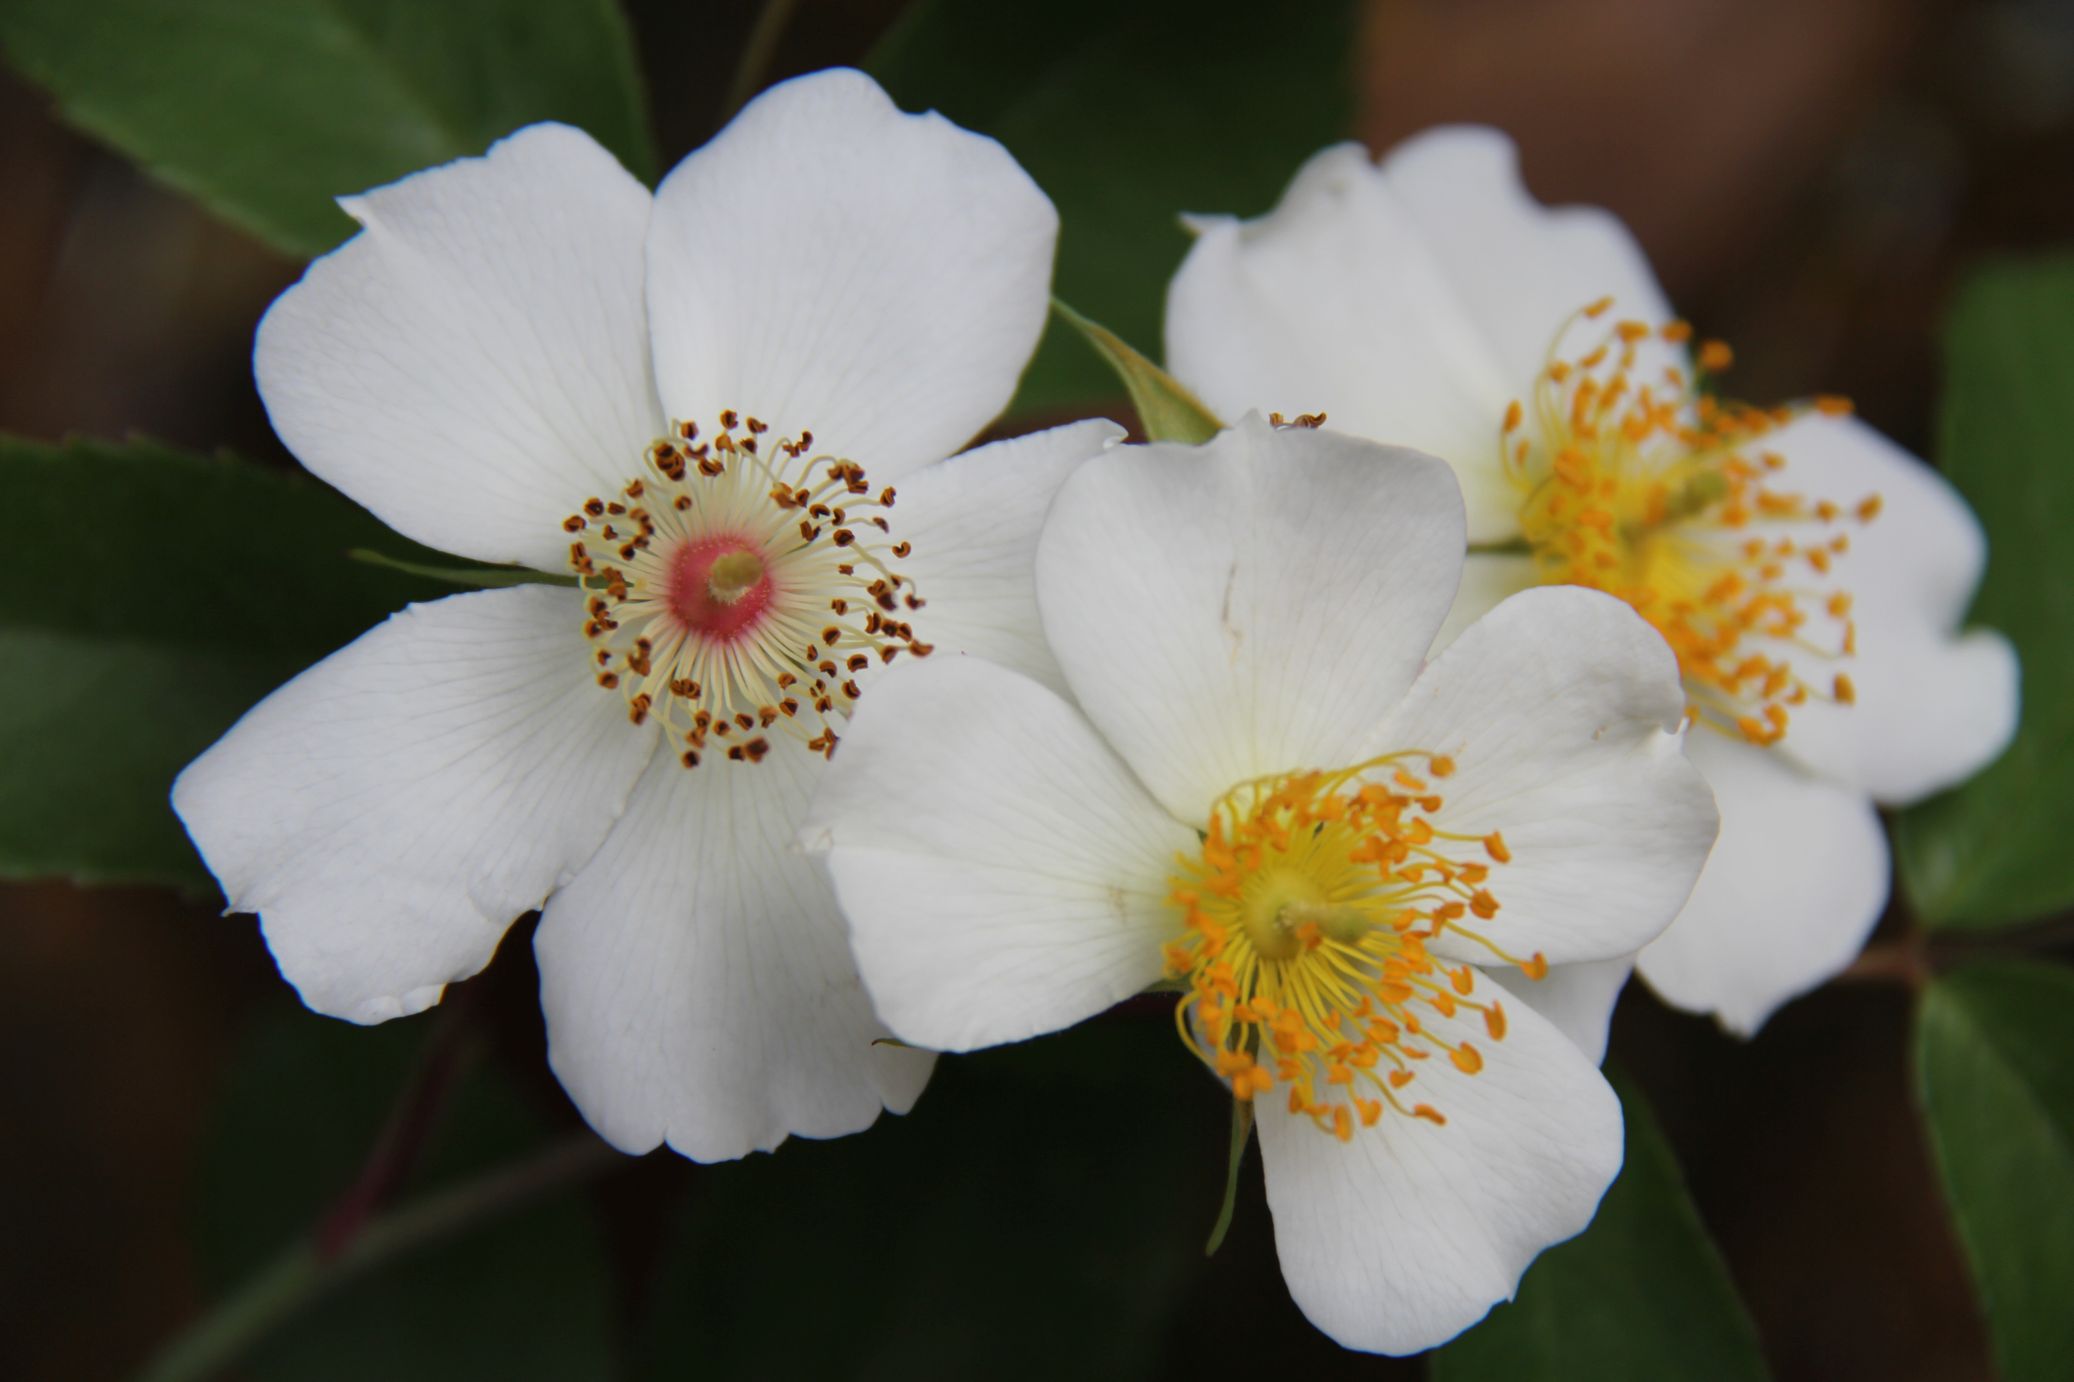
268, 109
1641, 1293
1995, 1073
1993, 852
148, 597
1128, 115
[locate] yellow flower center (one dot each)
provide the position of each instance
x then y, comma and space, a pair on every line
733, 587
1667, 498
1305, 922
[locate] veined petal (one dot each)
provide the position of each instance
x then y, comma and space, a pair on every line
1251, 606
1406, 1234
391, 810
1520, 267
1930, 707
1560, 709
1410, 302
1002, 872
1795, 884
1578, 998
830, 263
974, 521
1335, 302
697, 987
474, 363
1488, 578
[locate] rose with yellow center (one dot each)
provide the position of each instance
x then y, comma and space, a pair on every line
1811, 579
711, 425
1349, 860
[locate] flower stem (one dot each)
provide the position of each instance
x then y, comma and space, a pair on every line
303, 1273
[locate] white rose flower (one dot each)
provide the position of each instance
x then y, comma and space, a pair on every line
695, 404
1261, 790
1810, 575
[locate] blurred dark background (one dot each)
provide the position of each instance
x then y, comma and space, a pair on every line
1810, 180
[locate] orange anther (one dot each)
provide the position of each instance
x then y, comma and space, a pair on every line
1494, 845
1467, 1058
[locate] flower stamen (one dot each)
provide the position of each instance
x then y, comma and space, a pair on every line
1663, 496
1305, 925
731, 591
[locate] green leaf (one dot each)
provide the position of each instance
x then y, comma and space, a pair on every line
268, 109
1641, 1293
1993, 853
1167, 411
1040, 1214
148, 597
1995, 1073
523, 1297
1128, 114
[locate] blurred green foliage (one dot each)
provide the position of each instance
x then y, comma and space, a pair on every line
1995, 1074
524, 1297
266, 110
1994, 852
1040, 1214
1642, 1293
1128, 115
148, 598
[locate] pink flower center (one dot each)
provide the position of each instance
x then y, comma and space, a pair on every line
719, 586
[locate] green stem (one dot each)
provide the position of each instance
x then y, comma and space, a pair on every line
757, 52
300, 1276
1241, 1130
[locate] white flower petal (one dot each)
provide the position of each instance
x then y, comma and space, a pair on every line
830, 263
1560, 708
1002, 873
974, 521
1335, 302
1251, 606
697, 986
1487, 579
474, 363
1410, 302
1407, 1234
1932, 708
1579, 998
391, 810
1520, 267
1795, 884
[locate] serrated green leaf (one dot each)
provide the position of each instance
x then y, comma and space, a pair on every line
148, 597
1993, 852
1641, 1293
521, 1298
1995, 1074
266, 110
1127, 115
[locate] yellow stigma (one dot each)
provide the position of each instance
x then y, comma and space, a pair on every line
733, 576
1664, 497
1305, 921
